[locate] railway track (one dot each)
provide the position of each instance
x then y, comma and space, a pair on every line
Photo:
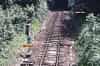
52, 53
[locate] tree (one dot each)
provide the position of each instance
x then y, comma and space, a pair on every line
88, 43
14, 14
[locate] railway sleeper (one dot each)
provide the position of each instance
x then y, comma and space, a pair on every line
50, 58
56, 39
50, 62
47, 64
27, 64
51, 54
53, 44
57, 35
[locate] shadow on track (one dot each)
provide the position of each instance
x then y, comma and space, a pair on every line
73, 24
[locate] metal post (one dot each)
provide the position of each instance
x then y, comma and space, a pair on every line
28, 31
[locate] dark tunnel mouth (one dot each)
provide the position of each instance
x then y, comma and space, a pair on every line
57, 5
73, 25
74, 5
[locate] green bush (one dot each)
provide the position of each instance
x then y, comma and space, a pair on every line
88, 44
13, 18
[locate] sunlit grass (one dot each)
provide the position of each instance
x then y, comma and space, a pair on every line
36, 25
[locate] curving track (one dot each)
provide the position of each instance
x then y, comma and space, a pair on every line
53, 51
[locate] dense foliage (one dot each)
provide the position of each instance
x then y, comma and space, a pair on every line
14, 14
88, 42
